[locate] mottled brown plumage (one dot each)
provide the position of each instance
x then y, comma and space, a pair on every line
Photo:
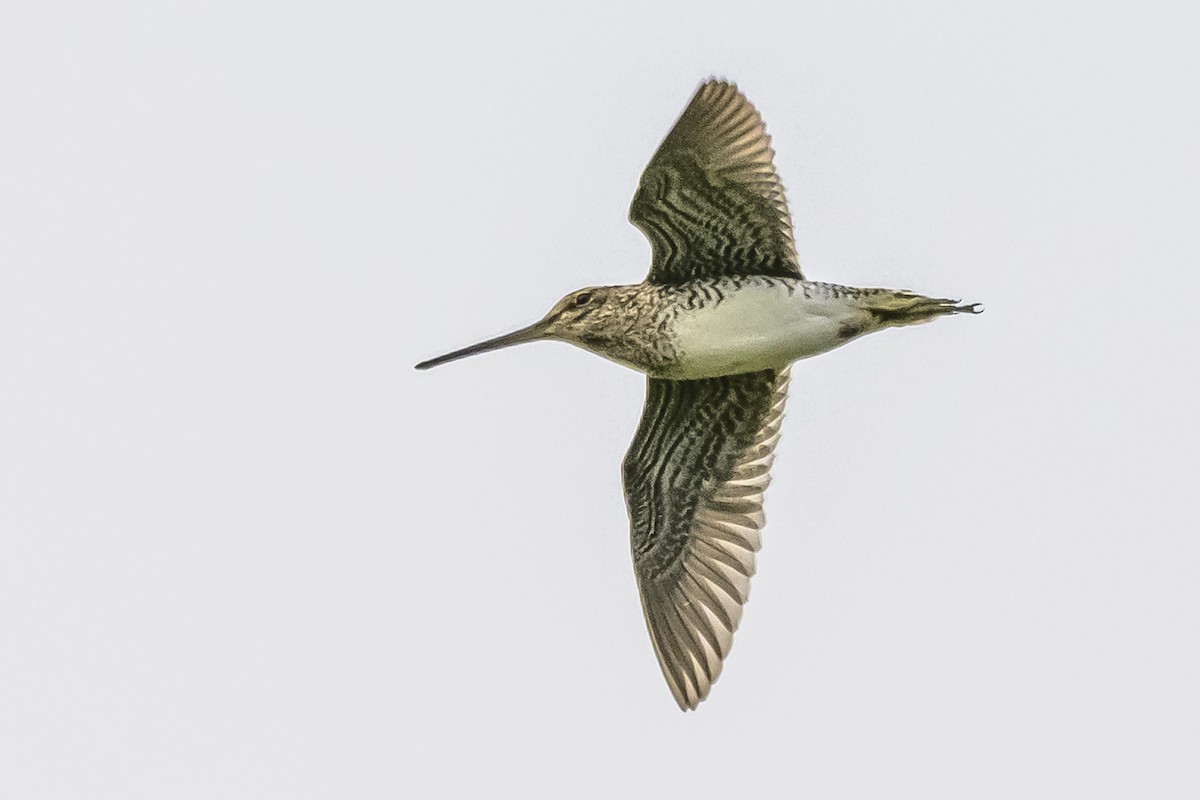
722, 314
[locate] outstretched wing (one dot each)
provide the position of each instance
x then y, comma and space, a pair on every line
694, 482
709, 201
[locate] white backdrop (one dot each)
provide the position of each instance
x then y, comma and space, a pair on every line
247, 551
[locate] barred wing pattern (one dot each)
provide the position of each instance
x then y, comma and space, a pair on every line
709, 201
694, 482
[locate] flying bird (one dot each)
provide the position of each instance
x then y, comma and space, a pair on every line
715, 327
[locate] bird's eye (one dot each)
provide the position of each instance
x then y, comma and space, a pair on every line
583, 298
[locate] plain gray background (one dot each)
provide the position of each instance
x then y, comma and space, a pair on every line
247, 551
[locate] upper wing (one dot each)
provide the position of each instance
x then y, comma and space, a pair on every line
694, 482
709, 201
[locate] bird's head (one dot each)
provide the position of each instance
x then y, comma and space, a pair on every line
584, 317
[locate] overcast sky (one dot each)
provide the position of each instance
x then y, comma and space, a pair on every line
246, 551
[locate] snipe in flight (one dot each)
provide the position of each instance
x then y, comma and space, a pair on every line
715, 327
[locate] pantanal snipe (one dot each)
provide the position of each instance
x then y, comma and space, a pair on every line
715, 326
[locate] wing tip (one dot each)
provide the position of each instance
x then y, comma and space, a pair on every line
718, 80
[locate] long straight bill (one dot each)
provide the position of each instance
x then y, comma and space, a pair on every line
530, 334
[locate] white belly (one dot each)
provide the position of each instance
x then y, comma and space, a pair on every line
762, 325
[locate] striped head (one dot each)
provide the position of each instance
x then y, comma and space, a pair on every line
617, 322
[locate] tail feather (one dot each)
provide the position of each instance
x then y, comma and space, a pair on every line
905, 308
